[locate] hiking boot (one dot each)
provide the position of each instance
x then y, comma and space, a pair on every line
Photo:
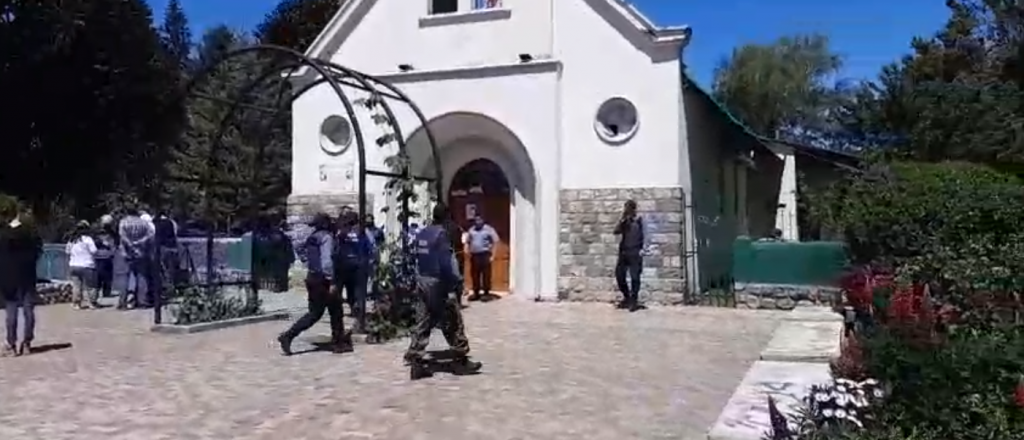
634, 306
8, 351
24, 348
467, 366
474, 297
285, 343
419, 369
343, 346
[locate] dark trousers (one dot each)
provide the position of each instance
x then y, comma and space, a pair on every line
23, 299
321, 300
633, 265
435, 308
140, 271
481, 272
353, 280
170, 266
104, 276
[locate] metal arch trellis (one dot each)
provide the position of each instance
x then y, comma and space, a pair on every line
288, 61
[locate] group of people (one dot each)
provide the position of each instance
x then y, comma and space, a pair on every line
149, 246
339, 253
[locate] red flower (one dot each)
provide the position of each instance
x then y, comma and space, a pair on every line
1018, 395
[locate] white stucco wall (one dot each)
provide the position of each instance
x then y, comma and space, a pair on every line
469, 63
401, 32
601, 64
786, 215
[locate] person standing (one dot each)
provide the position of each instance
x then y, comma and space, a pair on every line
480, 240
436, 280
168, 263
106, 244
20, 248
316, 252
81, 251
630, 230
353, 252
377, 234
136, 236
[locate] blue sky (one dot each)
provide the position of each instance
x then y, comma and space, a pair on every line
868, 33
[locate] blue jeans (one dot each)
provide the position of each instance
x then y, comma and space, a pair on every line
25, 300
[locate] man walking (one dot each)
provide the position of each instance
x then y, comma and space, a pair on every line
436, 281
316, 252
630, 229
480, 241
136, 236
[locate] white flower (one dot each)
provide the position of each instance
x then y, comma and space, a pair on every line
842, 400
855, 421
878, 393
845, 381
841, 413
860, 402
869, 382
822, 397
828, 412
841, 388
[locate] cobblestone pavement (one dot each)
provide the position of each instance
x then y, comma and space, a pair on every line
552, 371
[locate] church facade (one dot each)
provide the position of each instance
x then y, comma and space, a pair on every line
548, 116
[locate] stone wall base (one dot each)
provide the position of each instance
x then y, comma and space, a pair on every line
302, 207
588, 247
786, 296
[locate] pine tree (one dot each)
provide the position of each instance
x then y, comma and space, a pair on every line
176, 36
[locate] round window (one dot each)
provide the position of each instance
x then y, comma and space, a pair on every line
616, 121
335, 135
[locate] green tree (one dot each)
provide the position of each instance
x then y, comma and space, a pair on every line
957, 96
176, 35
249, 172
296, 23
780, 88
86, 102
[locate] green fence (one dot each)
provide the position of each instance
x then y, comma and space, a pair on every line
817, 263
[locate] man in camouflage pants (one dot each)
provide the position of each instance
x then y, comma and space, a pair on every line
437, 278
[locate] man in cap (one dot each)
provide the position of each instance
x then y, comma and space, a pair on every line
437, 278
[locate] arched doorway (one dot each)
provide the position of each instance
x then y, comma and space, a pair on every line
481, 187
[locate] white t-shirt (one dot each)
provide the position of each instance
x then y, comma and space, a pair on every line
81, 251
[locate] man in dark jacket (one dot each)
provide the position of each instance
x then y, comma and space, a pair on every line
437, 279
316, 253
630, 229
20, 248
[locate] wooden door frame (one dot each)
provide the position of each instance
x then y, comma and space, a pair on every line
507, 223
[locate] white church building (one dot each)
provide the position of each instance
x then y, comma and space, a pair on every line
548, 116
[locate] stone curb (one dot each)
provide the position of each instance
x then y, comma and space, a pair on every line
175, 329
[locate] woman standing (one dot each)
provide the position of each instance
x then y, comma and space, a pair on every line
82, 261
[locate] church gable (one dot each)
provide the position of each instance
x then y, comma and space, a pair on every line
388, 36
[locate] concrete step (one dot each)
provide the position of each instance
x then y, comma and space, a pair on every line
813, 314
804, 341
745, 416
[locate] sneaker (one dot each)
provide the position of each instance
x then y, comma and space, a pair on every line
286, 344
8, 351
474, 297
24, 348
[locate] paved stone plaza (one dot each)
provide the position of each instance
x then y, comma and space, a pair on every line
552, 371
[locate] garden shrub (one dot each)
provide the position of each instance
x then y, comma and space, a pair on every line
940, 255
393, 313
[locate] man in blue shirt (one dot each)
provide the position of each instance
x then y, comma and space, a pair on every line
437, 279
317, 252
480, 241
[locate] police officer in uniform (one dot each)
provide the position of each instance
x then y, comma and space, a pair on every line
437, 279
316, 253
353, 253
